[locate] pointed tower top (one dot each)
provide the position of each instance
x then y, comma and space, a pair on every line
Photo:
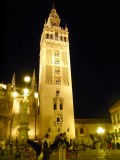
33, 83
53, 7
13, 81
53, 19
66, 27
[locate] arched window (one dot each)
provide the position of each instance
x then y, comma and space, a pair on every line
61, 38
51, 36
61, 106
47, 35
55, 106
65, 39
58, 119
57, 93
56, 36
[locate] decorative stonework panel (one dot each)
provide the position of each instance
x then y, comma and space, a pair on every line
48, 74
49, 56
56, 53
64, 58
5, 106
57, 80
56, 70
65, 76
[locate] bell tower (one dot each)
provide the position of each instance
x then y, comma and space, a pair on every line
55, 83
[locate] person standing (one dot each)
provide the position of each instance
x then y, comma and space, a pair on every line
11, 147
109, 142
46, 142
62, 146
3, 146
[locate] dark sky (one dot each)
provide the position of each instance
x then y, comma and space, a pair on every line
94, 47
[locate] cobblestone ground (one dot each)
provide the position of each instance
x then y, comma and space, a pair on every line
83, 155
91, 155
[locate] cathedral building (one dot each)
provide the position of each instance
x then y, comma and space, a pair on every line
53, 110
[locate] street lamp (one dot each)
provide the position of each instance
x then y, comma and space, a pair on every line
27, 79
36, 97
15, 94
100, 130
24, 119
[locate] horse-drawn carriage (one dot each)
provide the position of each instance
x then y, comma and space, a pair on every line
73, 147
28, 151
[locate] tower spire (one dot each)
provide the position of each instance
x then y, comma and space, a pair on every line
53, 19
33, 83
13, 81
53, 7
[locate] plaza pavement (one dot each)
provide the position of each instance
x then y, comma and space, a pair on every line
91, 155
85, 155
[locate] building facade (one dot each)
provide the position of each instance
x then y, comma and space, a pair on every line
84, 127
12, 114
115, 118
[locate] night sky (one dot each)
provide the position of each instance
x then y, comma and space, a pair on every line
94, 48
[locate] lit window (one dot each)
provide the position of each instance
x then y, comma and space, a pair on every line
57, 61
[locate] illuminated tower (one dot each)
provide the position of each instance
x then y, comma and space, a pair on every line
55, 84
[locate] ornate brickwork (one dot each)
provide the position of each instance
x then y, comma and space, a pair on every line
49, 56
56, 70
64, 58
48, 74
65, 76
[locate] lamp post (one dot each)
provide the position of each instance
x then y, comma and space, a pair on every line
100, 130
36, 96
24, 120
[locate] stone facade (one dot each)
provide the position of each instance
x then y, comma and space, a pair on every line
115, 118
85, 127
